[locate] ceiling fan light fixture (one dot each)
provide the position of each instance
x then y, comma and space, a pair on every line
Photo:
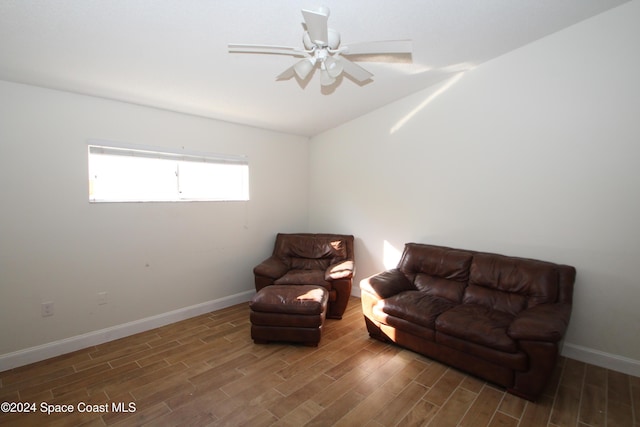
333, 66
325, 78
304, 67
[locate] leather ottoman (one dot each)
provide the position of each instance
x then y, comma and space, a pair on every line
291, 313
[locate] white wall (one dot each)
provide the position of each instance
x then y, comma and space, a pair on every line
533, 154
151, 258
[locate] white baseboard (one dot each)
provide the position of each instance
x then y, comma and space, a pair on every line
67, 345
600, 358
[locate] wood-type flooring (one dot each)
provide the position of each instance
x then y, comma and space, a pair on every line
207, 371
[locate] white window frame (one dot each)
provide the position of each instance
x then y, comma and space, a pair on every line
172, 188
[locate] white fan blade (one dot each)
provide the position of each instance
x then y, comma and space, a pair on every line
370, 48
354, 70
259, 48
317, 26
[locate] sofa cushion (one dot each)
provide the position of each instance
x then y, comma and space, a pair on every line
303, 277
507, 302
436, 261
291, 300
438, 287
511, 284
415, 306
402, 324
478, 324
310, 252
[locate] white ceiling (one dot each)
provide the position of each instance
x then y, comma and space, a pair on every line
172, 54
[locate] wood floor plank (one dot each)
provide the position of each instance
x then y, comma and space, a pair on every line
143, 416
339, 387
247, 385
512, 405
444, 387
481, 411
596, 375
384, 375
289, 403
178, 352
432, 374
295, 368
472, 384
141, 355
235, 413
566, 408
378, 358
635, 398
399, 405
618, 388
537, 414
130, 379
501, 419
95, 372
171, 380
451, 413
301, 415
24, 381
121, 347
619, 414
349, 364
187, 396
369, 406
404, 376
207, 371
420, 415
39, 371
227, 366
336, 410
301, 379
593, 406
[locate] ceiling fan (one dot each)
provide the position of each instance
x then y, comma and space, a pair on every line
322, 50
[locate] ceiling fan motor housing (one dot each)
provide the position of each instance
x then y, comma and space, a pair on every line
332, 43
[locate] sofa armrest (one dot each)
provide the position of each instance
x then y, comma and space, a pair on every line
544, 322
386, 284
340, 270
271, 267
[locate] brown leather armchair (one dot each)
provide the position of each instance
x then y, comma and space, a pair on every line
311, 259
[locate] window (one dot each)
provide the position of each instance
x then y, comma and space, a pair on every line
123, 174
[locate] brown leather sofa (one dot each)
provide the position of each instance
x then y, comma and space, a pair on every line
311, 259
498, 317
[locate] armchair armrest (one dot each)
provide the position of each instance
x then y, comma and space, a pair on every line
386, 284
543, 322
340, 270
271, 267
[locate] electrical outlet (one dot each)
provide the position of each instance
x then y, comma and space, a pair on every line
102, 298
47, 309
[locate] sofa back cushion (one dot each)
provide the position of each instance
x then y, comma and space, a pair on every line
510, 284
436, 270
310, 252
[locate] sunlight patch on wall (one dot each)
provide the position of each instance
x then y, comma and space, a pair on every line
453, 80
390, 255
